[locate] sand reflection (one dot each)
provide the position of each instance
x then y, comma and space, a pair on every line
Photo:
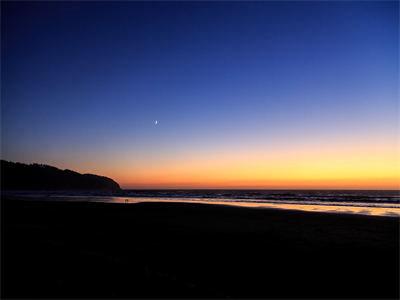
362, 210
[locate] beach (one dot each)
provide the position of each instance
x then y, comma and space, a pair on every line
175, 250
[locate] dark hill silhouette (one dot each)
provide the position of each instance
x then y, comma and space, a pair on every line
18, 176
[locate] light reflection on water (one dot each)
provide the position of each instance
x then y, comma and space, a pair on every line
381, 209
363, 210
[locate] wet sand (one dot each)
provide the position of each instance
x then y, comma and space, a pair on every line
171, 250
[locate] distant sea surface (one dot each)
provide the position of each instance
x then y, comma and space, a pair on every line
372, 202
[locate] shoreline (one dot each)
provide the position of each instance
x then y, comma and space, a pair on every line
357, 208
159, 250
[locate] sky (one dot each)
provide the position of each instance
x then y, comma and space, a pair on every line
245, 94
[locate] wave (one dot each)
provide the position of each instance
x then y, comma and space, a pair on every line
320, 196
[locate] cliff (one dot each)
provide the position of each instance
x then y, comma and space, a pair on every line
18, 176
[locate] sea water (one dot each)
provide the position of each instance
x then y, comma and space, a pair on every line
372, 202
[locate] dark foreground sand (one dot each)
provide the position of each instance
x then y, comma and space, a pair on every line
193, 250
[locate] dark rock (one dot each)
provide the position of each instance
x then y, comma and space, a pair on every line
18, 176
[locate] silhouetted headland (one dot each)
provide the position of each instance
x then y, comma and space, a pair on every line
19, 176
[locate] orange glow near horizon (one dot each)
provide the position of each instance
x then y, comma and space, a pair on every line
367, 162
357, 166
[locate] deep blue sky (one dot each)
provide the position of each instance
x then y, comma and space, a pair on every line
82, 83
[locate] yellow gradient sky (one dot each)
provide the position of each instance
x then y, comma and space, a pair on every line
348, 164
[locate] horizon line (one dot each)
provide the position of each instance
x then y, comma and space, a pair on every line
272, 189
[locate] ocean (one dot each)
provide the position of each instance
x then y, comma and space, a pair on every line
366, 202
